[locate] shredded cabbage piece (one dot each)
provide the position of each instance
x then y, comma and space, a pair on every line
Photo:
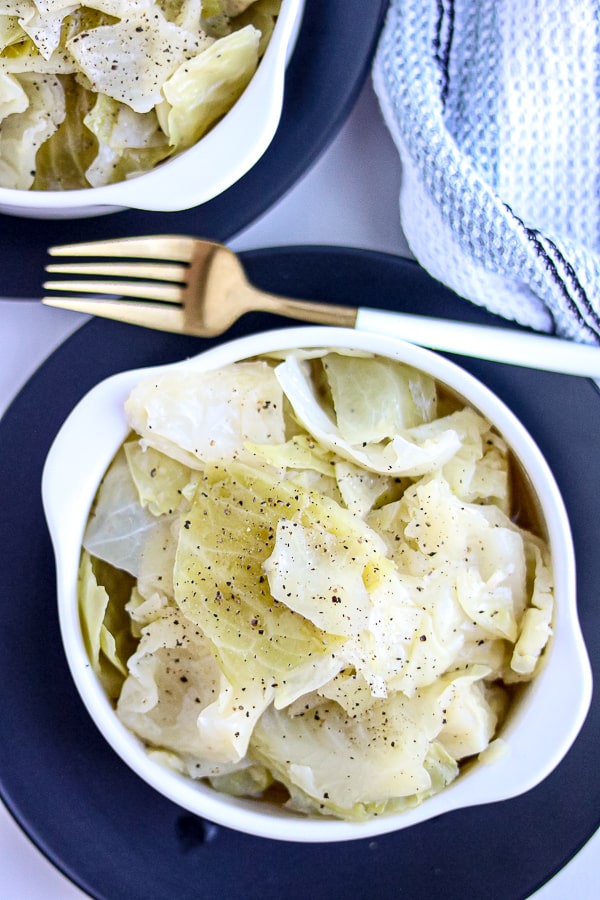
120, 527
107, 639
23, 133
208, 418
163, 484
200, 92
220, 585
128, 142
270, 604
403, 454
131, 59
13, 97
173, 679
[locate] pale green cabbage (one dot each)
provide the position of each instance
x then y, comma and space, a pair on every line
23, 133
199, 90
128, 142
131, 82
197, 420
294, 611
405, 452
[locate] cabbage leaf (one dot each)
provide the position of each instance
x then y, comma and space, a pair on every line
22, 135
128, 142
125, 534
219, 584
201, 90
353, 767
205, 418
401, 455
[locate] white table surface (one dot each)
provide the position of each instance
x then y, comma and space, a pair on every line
348, 198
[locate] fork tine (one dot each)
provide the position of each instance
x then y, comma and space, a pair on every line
147, 290
148, 315
158, 271
156, 246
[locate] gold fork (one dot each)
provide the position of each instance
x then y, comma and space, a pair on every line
200, 288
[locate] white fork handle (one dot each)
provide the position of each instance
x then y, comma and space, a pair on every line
519, 348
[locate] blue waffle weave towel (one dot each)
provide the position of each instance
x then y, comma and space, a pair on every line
494, 106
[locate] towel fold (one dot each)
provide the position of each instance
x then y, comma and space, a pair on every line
494, 106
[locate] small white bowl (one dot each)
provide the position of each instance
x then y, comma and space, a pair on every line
541, 727
217, 161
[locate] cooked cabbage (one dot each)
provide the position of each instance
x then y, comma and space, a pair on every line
321, 582
97, 92
23, 133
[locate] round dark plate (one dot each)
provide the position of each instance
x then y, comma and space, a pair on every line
329, 65
114, 836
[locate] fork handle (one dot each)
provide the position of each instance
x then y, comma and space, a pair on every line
304, 310
505, 345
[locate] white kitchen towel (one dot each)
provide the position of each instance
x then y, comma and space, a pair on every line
494, 106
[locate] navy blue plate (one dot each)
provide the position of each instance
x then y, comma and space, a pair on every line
328, 68
118, 839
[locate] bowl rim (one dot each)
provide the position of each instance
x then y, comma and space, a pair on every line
524, 765
148, 191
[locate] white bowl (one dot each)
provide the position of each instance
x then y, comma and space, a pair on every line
539, 731
217, 161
